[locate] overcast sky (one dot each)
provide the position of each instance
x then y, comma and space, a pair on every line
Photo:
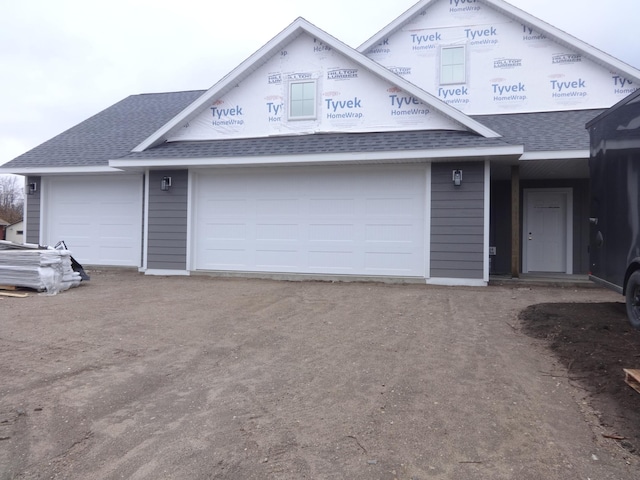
63, 61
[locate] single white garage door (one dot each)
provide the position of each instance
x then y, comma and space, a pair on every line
354, 221
98, 217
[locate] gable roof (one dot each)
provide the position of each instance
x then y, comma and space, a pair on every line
297, 28
112, 133
514, 13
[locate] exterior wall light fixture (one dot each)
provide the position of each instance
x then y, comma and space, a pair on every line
457, 178
165, 184
32, 188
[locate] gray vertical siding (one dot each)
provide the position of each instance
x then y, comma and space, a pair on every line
32, 226
167, 236
457, 221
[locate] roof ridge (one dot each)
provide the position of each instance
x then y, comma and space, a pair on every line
195, 90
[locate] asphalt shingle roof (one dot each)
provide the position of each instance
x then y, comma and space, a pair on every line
543, 131
320, 143
109, 134
114, 132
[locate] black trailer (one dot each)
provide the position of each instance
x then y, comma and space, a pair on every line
614, 164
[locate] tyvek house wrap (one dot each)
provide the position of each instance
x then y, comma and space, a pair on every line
349, 98
510, 67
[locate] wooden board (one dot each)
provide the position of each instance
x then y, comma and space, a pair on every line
632, 377
7, 287
17, 295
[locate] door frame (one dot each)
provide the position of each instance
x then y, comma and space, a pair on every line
568, 193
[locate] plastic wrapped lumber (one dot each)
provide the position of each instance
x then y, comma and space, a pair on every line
43, 270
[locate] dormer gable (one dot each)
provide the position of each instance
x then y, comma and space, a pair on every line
303, 82
489, 57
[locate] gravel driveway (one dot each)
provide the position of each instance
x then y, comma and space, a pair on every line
196, 377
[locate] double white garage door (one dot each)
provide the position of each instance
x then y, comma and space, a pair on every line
361, 221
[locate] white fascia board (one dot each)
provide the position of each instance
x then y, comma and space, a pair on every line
322, 158
297, 28
556, 155
58, 170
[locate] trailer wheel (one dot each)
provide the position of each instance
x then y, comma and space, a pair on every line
633, 299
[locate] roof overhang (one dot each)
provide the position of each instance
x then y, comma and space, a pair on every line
508, 153
552, 165
26, 171
556, 155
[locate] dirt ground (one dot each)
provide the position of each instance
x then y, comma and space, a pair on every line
593, 342
141, 377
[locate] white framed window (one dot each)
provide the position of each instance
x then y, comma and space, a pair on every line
302, 100
453, 68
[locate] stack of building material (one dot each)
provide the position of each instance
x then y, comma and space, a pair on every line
43, 269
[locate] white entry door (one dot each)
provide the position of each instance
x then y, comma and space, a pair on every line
354, 221
547, 231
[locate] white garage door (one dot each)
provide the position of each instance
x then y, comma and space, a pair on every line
356, 221
98, 217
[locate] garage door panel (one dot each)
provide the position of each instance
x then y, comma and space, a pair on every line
224, 231
98, 217
284, 206
394, 233
331, 207
277, 232
78, 242
224, 258
390, 206
331, 261
389, 261
331, 232
333, 221
226, 206
119, 221
267, 259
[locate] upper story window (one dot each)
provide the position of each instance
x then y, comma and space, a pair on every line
453, 65
302, 100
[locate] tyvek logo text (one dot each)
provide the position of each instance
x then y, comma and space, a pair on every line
407, 106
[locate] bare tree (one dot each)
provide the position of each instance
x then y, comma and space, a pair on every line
11, 198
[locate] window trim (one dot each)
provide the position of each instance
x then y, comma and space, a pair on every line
464, 64
313, 116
